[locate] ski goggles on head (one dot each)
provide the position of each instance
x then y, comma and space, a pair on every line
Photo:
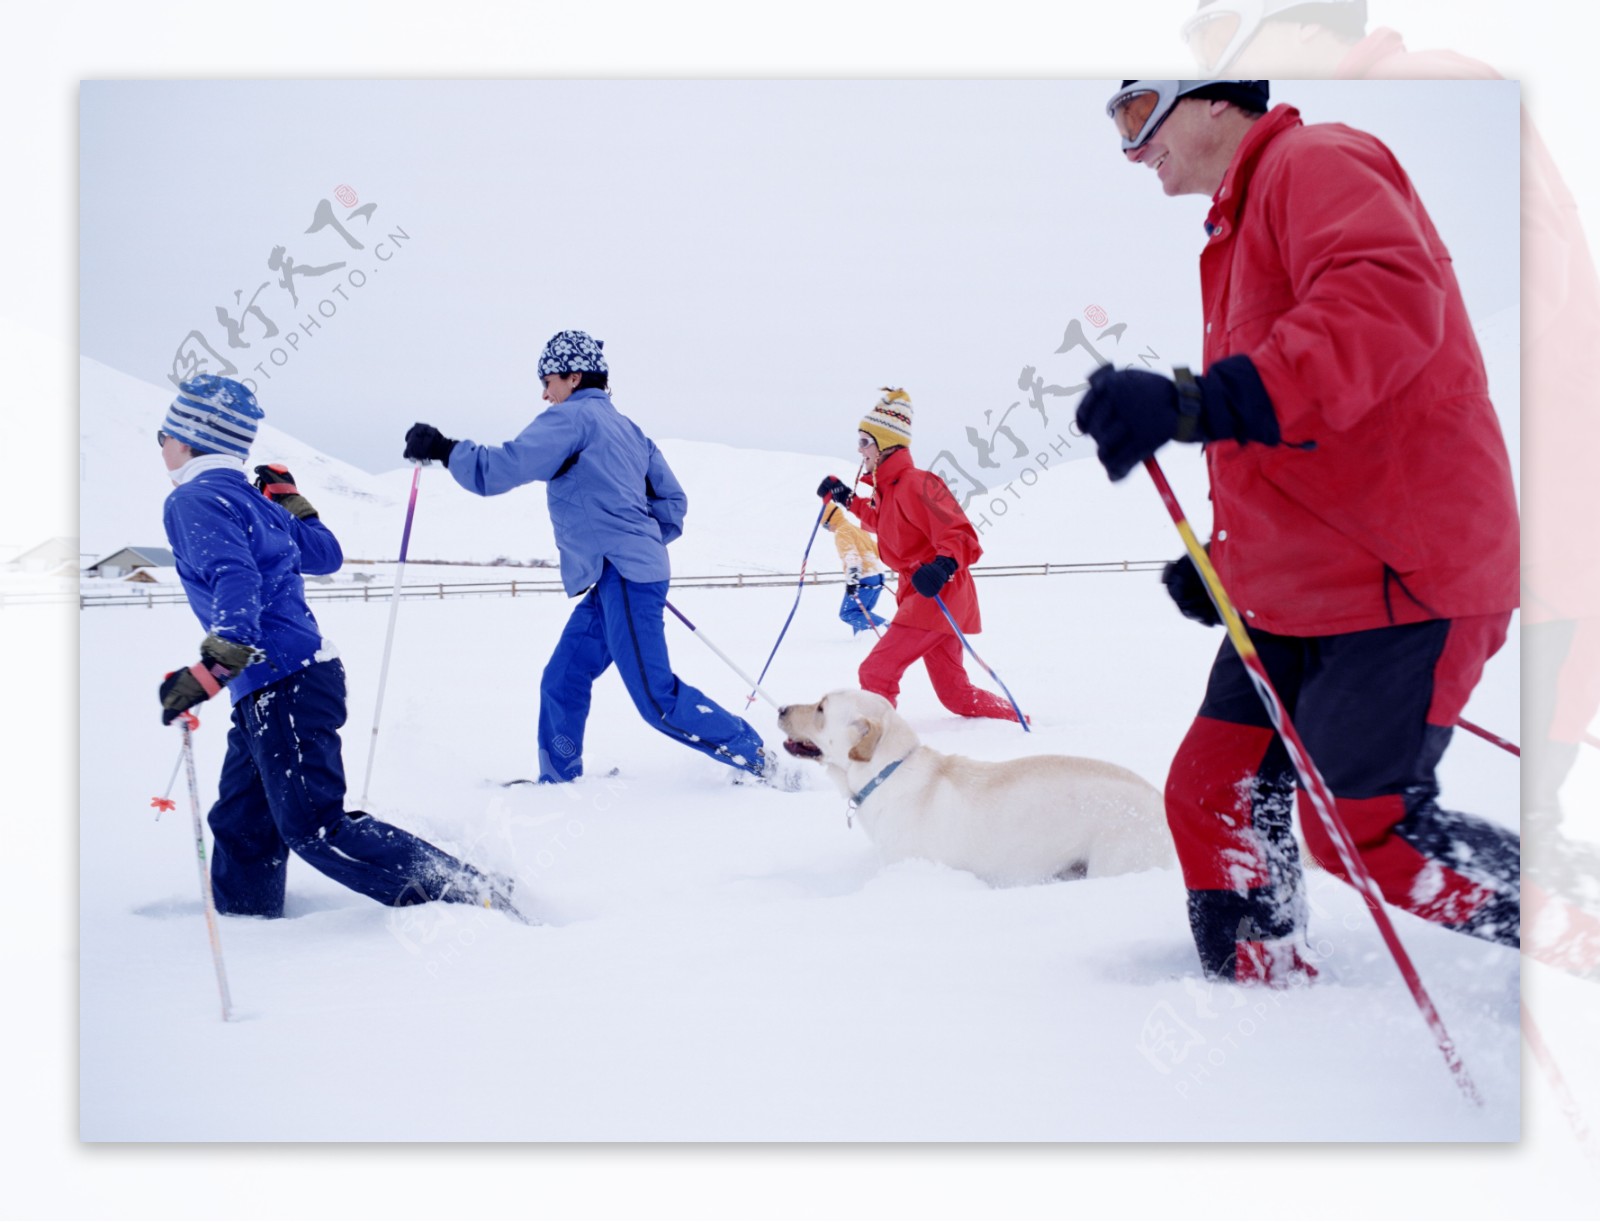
1221, 30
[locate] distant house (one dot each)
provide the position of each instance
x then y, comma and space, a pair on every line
129, 559
58, 555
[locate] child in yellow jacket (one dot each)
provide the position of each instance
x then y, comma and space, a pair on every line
864, 581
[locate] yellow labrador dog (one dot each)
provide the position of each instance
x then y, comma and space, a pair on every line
1011, 822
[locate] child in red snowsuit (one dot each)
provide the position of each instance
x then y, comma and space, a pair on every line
925, 537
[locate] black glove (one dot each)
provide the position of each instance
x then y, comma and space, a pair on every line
836, 490
930, 578
277, 484
1188, 590
1132, 413
424, 443
220, 662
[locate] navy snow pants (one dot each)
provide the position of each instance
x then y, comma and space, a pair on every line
282, 789
621, 621
1375, 710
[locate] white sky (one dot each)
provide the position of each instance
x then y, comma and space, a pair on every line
759, 256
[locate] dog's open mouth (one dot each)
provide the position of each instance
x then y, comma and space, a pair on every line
802, 749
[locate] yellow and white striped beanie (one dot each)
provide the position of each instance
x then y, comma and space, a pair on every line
889, 421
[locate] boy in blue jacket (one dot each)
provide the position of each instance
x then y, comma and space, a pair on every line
240, 554
615, 506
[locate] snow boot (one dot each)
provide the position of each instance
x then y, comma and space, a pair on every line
1276, 963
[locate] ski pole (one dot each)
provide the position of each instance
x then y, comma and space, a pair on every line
799, 590
388, 641
755, 687
868, 614
1015, 707
165, 803
187, 721
1316, 789
1504, 744
1558, 1083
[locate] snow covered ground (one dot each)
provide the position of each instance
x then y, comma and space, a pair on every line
723, 963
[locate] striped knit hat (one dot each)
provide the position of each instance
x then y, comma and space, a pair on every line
213, 415
889, 421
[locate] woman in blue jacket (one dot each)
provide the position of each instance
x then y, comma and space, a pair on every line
240, 554
615, 506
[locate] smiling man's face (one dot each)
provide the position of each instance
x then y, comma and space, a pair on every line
1191, 149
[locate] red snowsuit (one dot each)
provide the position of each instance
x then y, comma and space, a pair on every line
915, 517
1372, 554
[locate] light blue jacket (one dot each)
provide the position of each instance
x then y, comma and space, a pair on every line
240, 558
611, 495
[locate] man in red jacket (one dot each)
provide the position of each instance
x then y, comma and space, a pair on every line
1364, 522
925, 537
1560, 317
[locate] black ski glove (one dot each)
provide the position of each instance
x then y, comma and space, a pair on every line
424, 443
836, 490
1188, 590
1132, 413
930, 578
220, 662
277, 484
852, 582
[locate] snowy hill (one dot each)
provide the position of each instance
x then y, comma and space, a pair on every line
749, 511
719, 962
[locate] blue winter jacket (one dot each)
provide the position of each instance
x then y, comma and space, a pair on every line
612, 495
240, 557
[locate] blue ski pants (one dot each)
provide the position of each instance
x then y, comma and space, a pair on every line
857, 609
282, 789
621, 621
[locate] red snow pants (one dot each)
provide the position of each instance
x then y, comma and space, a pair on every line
891, 657
1375, 710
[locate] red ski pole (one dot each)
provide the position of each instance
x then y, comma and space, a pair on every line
1505, 744
1316, 789
868, 615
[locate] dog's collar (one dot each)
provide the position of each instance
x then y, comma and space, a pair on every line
854, 804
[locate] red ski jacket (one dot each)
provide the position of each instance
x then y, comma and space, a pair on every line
1390, 499
916, 518
1560, 317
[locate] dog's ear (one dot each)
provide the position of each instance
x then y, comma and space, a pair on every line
868, 732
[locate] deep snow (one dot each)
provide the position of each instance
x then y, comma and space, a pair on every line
720, 962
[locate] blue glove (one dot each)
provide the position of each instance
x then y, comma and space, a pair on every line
1132, 413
